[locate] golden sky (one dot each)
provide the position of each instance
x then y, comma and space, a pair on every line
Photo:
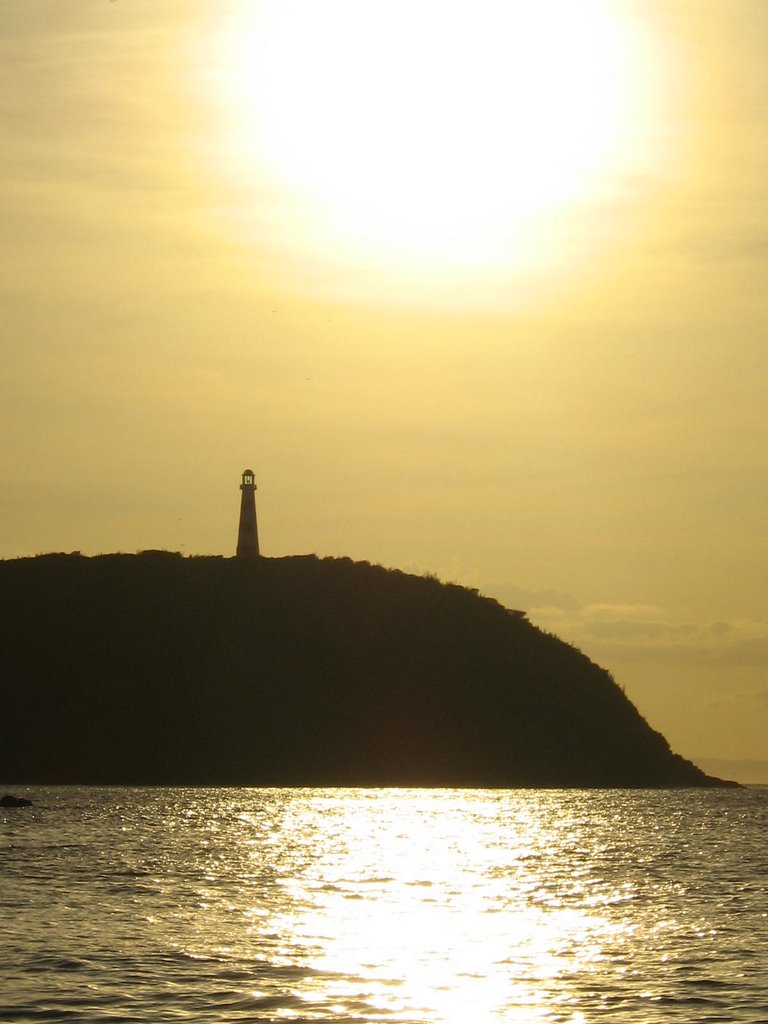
476, 288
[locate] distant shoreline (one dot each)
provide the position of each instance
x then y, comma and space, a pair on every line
748, 772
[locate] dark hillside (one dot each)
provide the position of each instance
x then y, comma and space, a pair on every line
154, 668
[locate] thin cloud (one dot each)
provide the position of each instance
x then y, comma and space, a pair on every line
627, 632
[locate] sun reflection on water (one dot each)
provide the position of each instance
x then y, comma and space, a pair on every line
434, 903
389, 906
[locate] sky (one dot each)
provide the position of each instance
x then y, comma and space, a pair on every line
476, 289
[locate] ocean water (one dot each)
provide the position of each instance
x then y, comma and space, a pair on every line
303, 905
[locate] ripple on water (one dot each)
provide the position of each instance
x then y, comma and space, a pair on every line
415, 907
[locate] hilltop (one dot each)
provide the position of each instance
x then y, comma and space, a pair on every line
160, 669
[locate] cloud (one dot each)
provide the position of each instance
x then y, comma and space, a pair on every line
551, 602
737, 643
637, 632
621, 612
745, 698
627, 630
718, 247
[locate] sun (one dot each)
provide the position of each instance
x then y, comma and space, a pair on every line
434, 133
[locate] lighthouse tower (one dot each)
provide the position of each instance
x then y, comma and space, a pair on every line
248, 533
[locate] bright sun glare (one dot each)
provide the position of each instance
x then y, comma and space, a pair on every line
435, 133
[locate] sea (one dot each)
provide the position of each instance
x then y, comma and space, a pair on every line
415, 906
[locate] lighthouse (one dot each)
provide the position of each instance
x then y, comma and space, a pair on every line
248, 533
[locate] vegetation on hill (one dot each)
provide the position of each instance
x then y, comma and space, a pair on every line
159, 669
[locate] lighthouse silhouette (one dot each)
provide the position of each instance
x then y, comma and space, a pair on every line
248, 532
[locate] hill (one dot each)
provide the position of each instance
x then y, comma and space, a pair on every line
159, 669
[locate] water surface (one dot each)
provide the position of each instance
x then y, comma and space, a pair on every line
425, 906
